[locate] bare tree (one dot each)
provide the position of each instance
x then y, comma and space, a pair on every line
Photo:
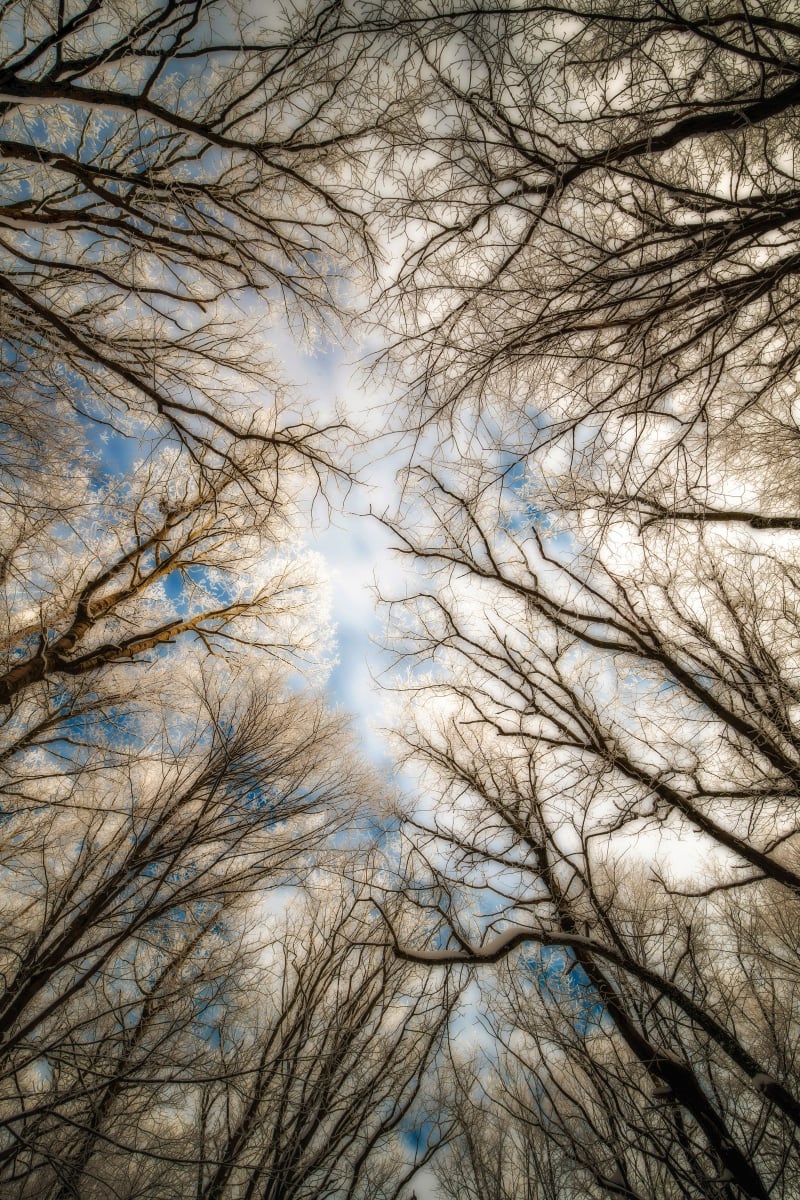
121, 895
580, 717
600, 269
163, 162
252, 1062
175, 551
161, 772
159, 1036
314, 1102
596, 288
607, 198
560, 1110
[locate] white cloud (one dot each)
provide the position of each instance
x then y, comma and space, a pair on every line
355, 546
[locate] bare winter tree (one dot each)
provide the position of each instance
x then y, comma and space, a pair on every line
315, 1100
584, 720
161, 773
175, 551
561, 1111
601, 241
163, 163
122, 887
223, 1059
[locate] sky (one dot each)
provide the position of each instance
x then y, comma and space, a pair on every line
356, 547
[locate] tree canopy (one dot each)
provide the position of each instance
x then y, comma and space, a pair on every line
551, 951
